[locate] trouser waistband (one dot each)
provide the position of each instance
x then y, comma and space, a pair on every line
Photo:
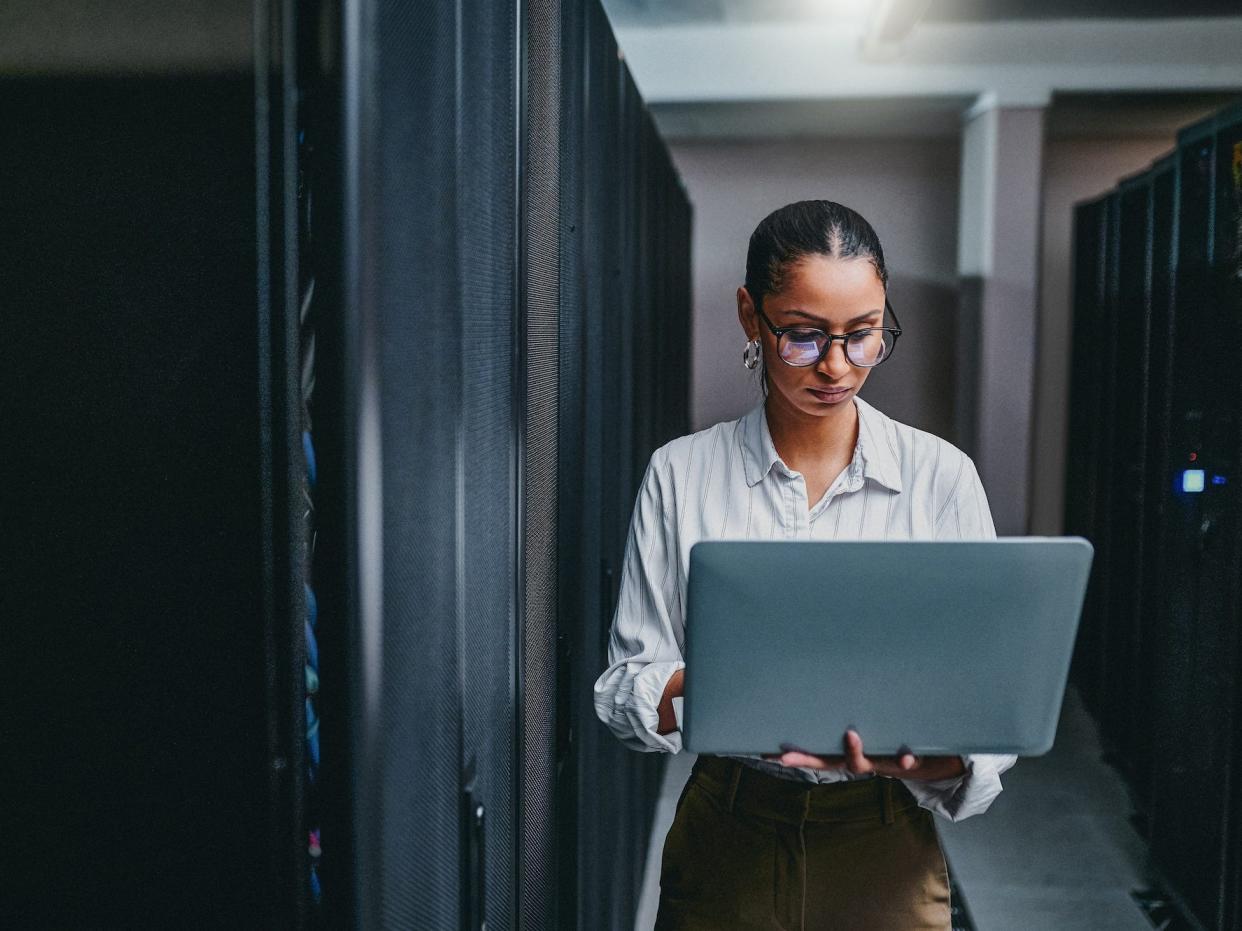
745, 788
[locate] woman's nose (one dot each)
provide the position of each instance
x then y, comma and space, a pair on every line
834, 364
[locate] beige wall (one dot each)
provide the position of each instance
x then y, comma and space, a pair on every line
907, 190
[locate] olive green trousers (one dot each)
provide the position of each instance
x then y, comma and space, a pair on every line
748, 850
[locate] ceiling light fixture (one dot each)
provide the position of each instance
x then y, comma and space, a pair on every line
890, 22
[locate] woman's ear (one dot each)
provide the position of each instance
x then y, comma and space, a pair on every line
746, 313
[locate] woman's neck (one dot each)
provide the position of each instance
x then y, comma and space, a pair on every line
804, 441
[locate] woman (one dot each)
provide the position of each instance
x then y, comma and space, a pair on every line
836, 840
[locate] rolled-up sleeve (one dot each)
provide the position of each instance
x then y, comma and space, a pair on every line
647, 626
968, 794
965, 515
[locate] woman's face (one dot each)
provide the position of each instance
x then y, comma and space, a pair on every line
831, 294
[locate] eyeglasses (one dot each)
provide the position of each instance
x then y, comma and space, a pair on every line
803, 345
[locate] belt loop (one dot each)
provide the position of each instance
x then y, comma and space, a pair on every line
887, 794
734, 778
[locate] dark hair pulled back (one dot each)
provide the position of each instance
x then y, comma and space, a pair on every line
807, 227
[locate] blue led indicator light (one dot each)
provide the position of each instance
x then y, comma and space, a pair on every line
1218, 479
1193, 480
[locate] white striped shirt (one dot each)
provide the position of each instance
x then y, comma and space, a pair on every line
728, 481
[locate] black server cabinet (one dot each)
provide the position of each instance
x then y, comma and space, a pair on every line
1153, 646
542, 78
431, 334
623, 391
1123, 471
578, 492
500, 259
1103, 577
1192, 820
1090, 242
601, 897
1156, 438
337, 371
1090, 462
152, 704
1226, 514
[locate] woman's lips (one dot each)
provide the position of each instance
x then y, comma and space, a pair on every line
834, 394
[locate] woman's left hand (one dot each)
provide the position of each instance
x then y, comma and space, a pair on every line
904, 765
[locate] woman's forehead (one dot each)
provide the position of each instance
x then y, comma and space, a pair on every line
836, 290
852, 274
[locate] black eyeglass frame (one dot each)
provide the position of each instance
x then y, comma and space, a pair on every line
778, 332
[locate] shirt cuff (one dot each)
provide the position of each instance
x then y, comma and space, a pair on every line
971, 793
643, 709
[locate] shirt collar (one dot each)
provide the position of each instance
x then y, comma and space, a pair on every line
873, 455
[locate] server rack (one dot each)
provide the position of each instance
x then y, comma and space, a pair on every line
1187, 820
1090, 249
1161, 655
1096, 284
625, 276
534, 416
1224, 531
1124, 472
363, 451
154, 653
1161, 331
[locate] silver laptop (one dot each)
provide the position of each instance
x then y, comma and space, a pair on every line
944, 647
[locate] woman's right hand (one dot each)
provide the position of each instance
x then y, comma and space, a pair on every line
674, 689
904, 765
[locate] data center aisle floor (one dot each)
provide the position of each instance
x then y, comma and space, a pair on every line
1054, 851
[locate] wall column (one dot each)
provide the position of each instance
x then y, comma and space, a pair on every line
998, 263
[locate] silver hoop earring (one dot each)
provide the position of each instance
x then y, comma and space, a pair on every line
751, 359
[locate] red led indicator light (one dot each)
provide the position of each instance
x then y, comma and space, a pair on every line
1194, 456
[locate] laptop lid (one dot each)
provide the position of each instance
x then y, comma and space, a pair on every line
946, 647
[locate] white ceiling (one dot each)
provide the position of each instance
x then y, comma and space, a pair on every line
718, 69
667, 12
